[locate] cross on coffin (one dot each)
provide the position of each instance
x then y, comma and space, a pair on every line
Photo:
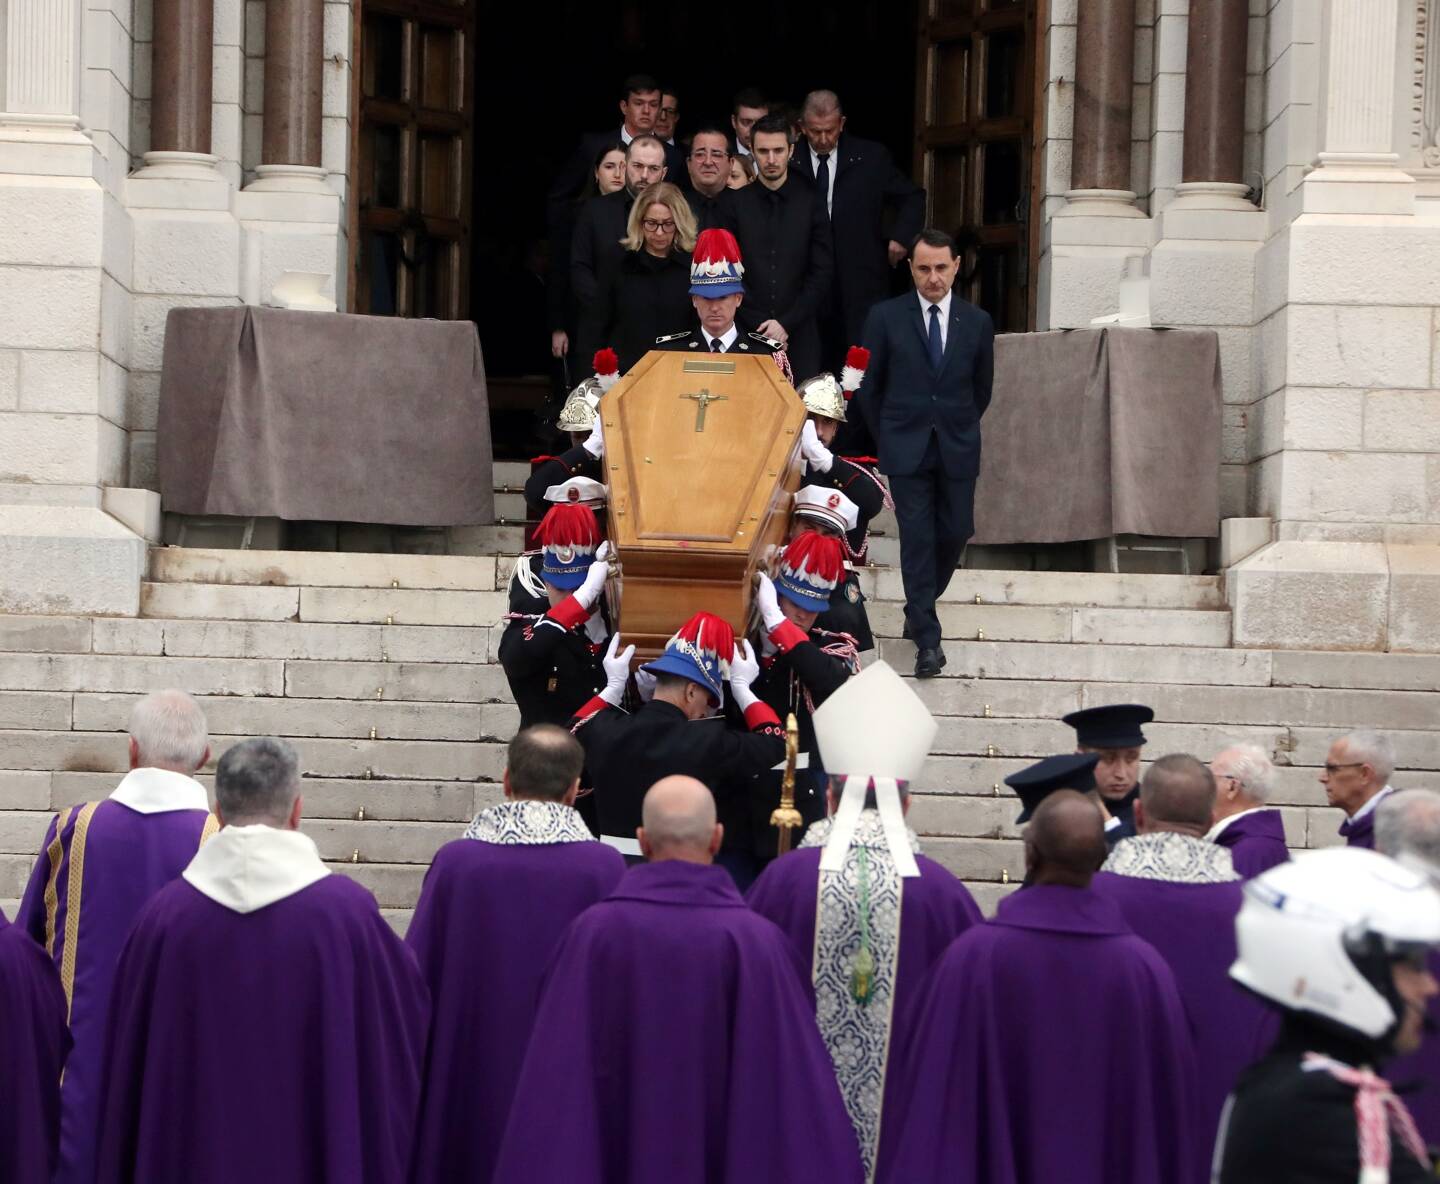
703, 398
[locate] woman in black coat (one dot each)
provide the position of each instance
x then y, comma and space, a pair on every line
648, 294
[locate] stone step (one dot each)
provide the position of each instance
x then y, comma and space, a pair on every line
498, 539
1113, 626
372, 606
464, 644
322, 569
219, 602
1061, 588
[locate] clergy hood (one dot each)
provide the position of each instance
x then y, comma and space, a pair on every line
246, 868
158, 791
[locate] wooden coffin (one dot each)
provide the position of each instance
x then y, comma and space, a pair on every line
702, 455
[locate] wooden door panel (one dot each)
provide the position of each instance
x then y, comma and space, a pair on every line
411, 170
974, 140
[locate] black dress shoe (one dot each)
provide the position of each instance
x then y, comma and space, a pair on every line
941, 651
928, 662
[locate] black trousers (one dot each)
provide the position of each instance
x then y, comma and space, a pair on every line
936, 513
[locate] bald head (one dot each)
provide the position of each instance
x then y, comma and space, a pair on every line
1065, 841
1178, 794
678, 822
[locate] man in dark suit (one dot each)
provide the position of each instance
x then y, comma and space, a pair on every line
595, 244
639, 111
874, 210
785, 242
706, 183
932, 360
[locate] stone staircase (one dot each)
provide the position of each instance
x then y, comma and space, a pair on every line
381, 668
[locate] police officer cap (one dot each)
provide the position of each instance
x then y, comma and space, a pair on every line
1114, 726
1074, 770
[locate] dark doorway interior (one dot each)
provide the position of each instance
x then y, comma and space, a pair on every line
545, 73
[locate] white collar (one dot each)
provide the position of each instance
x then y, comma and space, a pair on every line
829, 156
1174, 858
1215, 831
925, 303
246, 868
727, 339
158, 791
625, 136
1369, 807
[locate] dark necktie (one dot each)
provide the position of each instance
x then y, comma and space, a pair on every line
937, 350
822, 179
715, 346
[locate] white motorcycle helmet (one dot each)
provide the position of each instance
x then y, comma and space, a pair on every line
1319, 934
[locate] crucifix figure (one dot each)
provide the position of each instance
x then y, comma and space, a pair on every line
703, 399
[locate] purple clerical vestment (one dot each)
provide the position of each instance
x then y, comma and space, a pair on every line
280, 1046
100, 865
908, 924
1256, 842
676, 1044
1191, 923
492, 910
1050, 1044
33, 1044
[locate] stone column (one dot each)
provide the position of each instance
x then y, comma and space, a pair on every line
1212, 169
41, 63
181, 69
1104, 76
1358, 168
294, 52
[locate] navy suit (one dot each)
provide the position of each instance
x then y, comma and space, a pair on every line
926, 421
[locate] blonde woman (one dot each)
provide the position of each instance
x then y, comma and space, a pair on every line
647, 294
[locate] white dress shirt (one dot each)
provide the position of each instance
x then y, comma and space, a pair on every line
944, 318
726, 340
815, 172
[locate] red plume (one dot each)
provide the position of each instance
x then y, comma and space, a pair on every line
857, 357
568, 525
607, 361
706, 631
816, 556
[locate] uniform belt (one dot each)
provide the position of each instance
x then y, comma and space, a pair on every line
624, 846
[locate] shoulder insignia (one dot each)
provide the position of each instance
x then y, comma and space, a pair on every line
694, 345
741, 345
770, 341
671, 337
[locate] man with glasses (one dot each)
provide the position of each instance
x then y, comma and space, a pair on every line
1356, 778
601, 225
1241, 821
668, 116
708, 170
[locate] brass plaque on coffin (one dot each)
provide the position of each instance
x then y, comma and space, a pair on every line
701, 462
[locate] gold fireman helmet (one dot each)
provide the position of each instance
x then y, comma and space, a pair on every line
822, 396
579, 412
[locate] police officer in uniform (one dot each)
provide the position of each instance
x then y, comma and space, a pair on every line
801, 665
1337, 939
1114, 733
717, 290
679, 729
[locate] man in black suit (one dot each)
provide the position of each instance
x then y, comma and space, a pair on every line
785, 242
595, 245
932, 361
874, 210
707, 177
639, 111
749, 107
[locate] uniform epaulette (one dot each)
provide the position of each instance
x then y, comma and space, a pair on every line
671, 337
770, 341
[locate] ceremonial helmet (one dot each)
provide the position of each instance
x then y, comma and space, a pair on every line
829, 507
715, 268
581, 407
822, 396
700, 651
569, 536
1318, 935
810, 567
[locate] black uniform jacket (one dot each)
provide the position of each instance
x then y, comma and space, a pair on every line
800, 671
556, 470
625, 754
550, 662
1286, 1124
694, 342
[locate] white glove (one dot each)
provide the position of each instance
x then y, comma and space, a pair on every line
617, 671
595, 441
817, 456
744, 669
589, 592
767, 602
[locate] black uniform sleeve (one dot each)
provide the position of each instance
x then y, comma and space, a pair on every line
859, 487
820, 673
527, 646
573, 462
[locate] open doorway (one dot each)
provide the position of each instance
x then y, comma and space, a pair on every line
452, 166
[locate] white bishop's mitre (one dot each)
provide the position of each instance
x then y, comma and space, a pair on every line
873, 730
